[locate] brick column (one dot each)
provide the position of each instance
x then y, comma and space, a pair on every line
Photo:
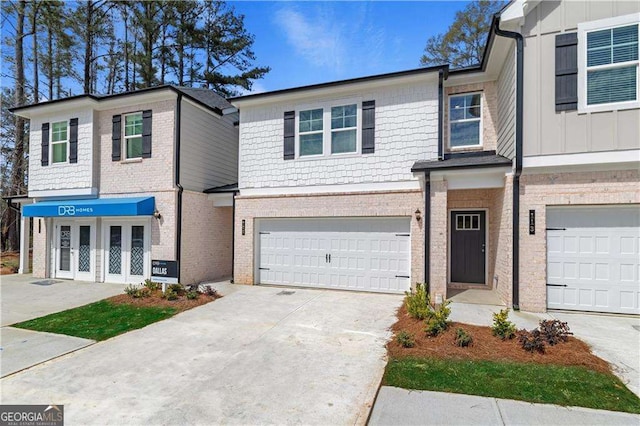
439, 241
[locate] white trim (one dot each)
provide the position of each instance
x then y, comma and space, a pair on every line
603, 24
25, 237
75, 224
480, 120
126, 223
224, 199
585, 158
486, 243
491, 177
64, 192
332, 189
126, 138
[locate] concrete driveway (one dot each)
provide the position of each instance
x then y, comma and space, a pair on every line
258, 355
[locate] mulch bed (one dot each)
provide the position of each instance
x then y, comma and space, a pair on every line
155, 300
10, 260
487, 347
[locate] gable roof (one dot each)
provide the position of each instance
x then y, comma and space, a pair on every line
204, 97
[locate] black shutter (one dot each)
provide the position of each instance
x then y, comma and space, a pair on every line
116, 136
567, 72
73, 140
289, 135
44, 161
368, 126
146, 134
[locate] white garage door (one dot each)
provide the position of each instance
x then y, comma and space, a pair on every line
364, 254
593, 259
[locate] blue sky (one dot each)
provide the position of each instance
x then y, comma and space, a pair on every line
314, 42
309, 42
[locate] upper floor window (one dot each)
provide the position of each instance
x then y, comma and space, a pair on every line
612, 65
344, 127
59, 141
133, 135
310, 132
465, 120
327, 131
608, 64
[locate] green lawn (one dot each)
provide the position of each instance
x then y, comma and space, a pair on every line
549, 384
98, 321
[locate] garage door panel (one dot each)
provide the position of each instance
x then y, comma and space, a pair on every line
593, 259
352, 254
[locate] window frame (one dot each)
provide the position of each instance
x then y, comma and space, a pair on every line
327, 131
52, 143
125, 138
592, 26
480, 120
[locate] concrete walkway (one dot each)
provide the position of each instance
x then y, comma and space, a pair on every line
395, 406
22, 298
259, 355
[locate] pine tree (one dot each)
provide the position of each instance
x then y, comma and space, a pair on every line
463, 43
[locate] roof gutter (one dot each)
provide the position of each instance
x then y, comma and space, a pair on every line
178, 247
518, 158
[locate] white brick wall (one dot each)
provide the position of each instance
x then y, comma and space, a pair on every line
406, 130
149, 174
61, 176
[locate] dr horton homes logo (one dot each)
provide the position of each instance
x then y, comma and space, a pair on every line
31, 415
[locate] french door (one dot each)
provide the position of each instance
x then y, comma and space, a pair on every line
126, 251
75, 250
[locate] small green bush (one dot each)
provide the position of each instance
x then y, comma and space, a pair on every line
502, 327
177, 288
207, 290
131, 290
152, 286
463, 339
438, 319
170, 294
531, 341
191, 295
417, 302
406, 339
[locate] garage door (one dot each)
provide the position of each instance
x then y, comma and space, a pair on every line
365, 254
593, 259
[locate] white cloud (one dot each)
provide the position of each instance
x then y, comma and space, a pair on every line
320, 38
335, 36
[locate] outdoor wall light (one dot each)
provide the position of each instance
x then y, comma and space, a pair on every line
418, 215
157, 214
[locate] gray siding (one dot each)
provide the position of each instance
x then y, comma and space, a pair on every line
545, 131
507, 106
209, 149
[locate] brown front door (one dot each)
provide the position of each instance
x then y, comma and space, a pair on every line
468, 247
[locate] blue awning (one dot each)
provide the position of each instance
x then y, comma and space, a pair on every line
136, 206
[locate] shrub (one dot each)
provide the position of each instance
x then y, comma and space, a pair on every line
417, 302
170, 294
191, 295
406, 339
142, 292
531, 341
502, 327
463, 339
438, 319
554, 331
177, 289
152, 286
209, 291
131, 290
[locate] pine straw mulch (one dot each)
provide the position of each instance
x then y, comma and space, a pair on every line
487, 347
156, 300
9, 262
